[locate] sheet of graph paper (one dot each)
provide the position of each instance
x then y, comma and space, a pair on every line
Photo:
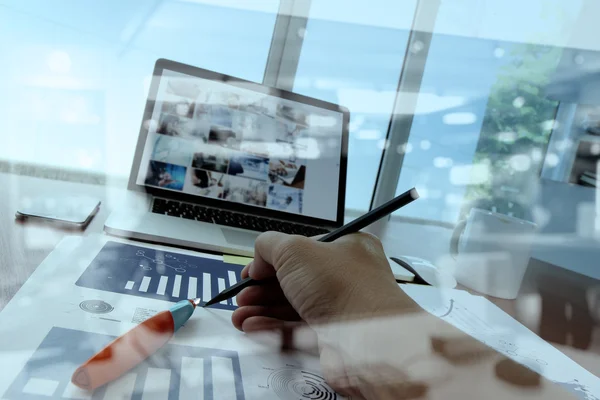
89, 291
484, 321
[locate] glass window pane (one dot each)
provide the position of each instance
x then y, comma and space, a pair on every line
485, 116
352, 55
79, 71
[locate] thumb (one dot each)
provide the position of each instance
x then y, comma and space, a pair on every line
271, 250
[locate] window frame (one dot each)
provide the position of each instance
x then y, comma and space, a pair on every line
286, 44
411, 77
562, 133
282, 66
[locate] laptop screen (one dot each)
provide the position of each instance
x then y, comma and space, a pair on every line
221, 140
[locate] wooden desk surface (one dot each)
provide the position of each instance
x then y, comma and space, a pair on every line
553, 303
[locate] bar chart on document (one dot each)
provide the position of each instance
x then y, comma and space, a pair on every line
175, 372
144, 272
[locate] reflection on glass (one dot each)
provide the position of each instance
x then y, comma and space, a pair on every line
352, 56
78, 71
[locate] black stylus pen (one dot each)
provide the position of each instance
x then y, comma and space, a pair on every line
352, 227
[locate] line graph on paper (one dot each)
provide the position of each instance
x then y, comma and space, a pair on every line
175, 372
455, 313
469, 322
144, 272
484, 321
161, 261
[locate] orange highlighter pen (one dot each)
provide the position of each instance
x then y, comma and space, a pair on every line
133, 347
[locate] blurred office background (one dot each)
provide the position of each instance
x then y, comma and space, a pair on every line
478, 103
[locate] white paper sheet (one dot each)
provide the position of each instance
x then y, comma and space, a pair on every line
52, 325
484, 321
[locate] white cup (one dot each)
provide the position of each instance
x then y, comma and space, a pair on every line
492, 252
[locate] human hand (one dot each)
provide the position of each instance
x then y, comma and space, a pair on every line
320, 284
317, 282
374, 341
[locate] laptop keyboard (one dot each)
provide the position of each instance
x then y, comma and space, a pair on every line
230, 218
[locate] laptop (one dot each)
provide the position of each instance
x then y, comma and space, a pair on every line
220, 160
